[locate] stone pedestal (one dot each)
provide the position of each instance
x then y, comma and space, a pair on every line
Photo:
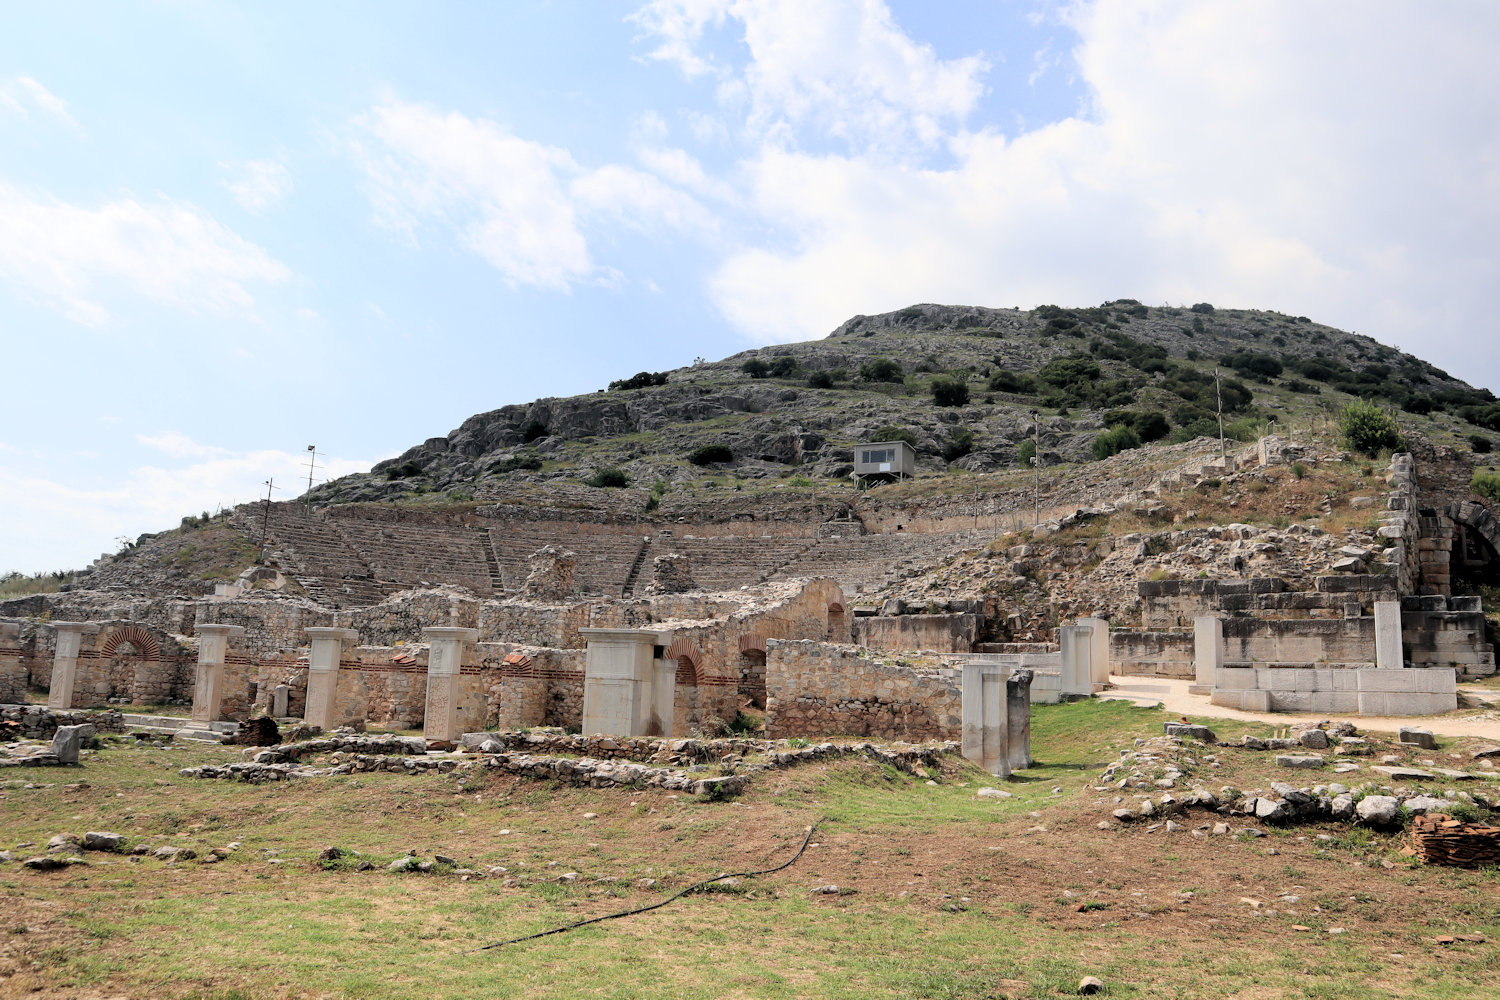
65, 662
323, 673
663, 699
1098, 651
213, 648
1208, 653
1018, 718
618, 683
281, 698
1389, 654
984, 737
1075, 644
444, 659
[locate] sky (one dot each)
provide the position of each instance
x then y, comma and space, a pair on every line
229, 231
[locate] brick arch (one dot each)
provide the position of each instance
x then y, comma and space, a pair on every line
144, 642
1478, 518
689, 661
752, 641
836, 607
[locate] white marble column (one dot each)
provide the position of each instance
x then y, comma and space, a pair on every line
1208, 653
444, 660
663, 697
1098, 650
617, 682
1074, 643
984, 714
208, 684
1389, 653
65, 662
323, 673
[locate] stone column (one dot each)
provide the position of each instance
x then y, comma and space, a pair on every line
984, 736
1098, 651
663, 697
1074, 644
444, 659
65, 662
208, 687
1389, 653
617, 681
323, 673
281, 695
1018, 718
1208, 653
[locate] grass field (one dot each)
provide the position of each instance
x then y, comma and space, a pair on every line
941, 894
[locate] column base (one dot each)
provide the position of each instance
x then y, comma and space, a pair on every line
1203, 689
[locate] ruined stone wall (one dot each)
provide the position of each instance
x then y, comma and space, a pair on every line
1442, 631
1151, 654
287, 668
940, 633
818, 689
401, 618
1169, 604
1293, 642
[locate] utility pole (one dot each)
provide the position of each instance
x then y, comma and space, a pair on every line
1219, 396
265, 520
312, 464
1036, 461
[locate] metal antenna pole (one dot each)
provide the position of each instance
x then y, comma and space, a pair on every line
1036, 461
1219, 396
312, 463
265, 521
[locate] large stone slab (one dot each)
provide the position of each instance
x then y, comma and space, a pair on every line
68, 740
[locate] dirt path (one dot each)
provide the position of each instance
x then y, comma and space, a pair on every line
1173, 695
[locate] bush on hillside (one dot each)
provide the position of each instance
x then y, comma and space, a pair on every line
881, 370
890, 432
820, 380
950, 392
609, 478
960, 442
1366, 427
1026, 452
1005, 380
1114, 441
1487, 485
710, 454
1480, 444
785, 366
640, 380
756, 368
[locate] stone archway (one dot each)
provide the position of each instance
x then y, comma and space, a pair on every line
838, 622
131, 668
752, 681
688, 693
1474, 558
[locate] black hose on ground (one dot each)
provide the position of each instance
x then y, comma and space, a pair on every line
656, 906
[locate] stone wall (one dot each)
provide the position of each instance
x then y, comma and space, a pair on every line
1151, 654
1169, 604
15, 673
819, 689
939, 633
1300, 642
1447, 632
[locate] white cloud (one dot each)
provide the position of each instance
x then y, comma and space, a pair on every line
258, 184
1284, 156
21, 92
518, 204
49, 524
844, 69
68, 257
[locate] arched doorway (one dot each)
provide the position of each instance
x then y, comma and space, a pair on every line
752, 686
131, 660
687, 711
838, 622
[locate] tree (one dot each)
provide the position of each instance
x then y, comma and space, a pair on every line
785, 366
1114, 441
880, 370
950, 392
756, 368
1026, 452
609, 477
1365, 427
960, 443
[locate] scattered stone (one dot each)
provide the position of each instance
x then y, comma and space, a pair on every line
45, 863
1173, 826
1416, 736
1405, 773
1220, 829
826, 890
1378, 810
68, 740
443, 859
364, 866
993, 793
1314, 739
1089, 985
1124, 815
1295, 760
102, 841
1424, 804
1187, 731
1486, 751
405, 863
64, 842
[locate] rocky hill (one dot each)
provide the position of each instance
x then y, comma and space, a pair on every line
961, 383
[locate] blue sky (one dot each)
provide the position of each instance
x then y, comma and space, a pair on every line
228, 231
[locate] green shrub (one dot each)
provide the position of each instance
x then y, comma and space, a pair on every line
950, 392
960, 443
1480, 444
1026, 452
1005, 380
756, 368
640, 380
1298, 470
820, 380
1114, 441
1201, 307
890, 432
711, 453
1487, 485
1149, 426
1366, 427
609, 477
785, 366
530, 463
881, 370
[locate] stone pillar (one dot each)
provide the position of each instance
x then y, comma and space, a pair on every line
444, 659
323, 673
65, 662
280, 697
1208, 653
1098, 651
984, 736
1389, 653
208, 685
1075, 643
617, 681
1018, 718
663, 697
